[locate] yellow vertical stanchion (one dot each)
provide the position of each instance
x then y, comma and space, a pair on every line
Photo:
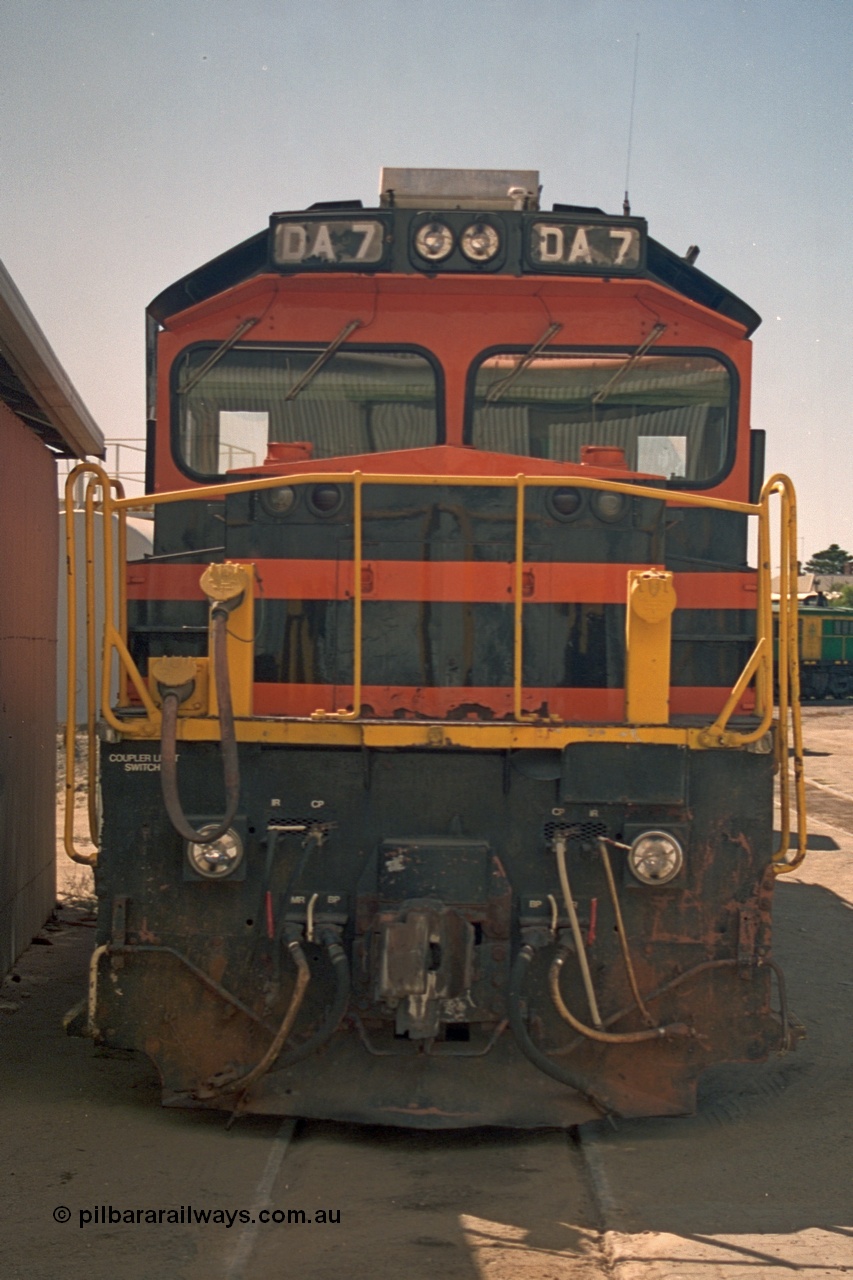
117, 488
789, 682
764, 614
518, 605
71, 671
91, 655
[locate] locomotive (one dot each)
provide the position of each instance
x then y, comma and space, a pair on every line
437, 789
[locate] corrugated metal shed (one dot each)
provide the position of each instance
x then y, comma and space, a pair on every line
41, 418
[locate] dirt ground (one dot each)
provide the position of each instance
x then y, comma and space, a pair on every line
757, 1184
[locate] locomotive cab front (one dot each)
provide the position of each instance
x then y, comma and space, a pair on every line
457, 679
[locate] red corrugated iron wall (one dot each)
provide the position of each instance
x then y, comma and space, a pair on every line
28, 591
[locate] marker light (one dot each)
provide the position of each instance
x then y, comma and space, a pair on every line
655, 857
277, 502
434, 241
219, 859
479, 242
608, 506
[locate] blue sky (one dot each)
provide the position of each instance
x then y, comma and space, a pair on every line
139, 138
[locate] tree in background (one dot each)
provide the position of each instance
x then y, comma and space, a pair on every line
845, 597
833, 560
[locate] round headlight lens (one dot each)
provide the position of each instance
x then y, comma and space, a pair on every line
326, 499
609, 506
479, 242
218, 859
434, 241
565, 503
277, 502
655, 857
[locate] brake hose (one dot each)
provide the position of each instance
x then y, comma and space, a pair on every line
172, 697
331, 1022
528, 1048
337, 1008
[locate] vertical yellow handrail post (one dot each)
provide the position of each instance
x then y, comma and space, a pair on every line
794, 686
789, 681
764, 613
71, 670
358, 592
357, 478
782, 683
117, 488
518, 603
92, 488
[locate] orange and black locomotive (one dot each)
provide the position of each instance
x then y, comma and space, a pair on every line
438, 777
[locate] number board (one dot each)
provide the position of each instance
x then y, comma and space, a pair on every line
572, 245
309, 243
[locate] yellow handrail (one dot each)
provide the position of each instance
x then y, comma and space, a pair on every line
789, 683
759, 666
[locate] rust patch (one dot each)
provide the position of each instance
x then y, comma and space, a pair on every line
144, 934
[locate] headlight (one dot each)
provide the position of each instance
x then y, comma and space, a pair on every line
479, 242
608, 506
564, 503
434, 241
277, 502
655, 857
219, 859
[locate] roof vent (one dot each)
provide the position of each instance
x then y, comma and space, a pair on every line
459, 189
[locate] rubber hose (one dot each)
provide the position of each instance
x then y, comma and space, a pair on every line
230, 760
528, 1048
332, 1020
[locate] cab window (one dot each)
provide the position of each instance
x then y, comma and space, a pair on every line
228, 410
673, 415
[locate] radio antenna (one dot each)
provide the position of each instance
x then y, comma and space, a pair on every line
626, 203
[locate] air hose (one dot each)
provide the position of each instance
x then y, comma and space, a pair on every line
516, 1021
337, 1008
273, 1057
172, 698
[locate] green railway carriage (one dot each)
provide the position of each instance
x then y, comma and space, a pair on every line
826, 652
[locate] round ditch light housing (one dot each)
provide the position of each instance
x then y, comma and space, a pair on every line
277, 502
565, 504
480, 242
655, 857
434, 241
220, 858
326, 499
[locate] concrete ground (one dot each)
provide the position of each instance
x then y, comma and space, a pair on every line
757, 1184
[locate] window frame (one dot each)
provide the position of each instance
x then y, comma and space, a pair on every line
210, 344
582, 350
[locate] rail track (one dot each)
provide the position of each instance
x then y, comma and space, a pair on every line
485, 1203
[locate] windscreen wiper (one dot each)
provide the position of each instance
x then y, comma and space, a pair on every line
243, 327
326, 354
497, 389
603, 392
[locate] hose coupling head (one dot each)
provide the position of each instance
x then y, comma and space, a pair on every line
174, 676
293, 934
224, 585
536, 937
